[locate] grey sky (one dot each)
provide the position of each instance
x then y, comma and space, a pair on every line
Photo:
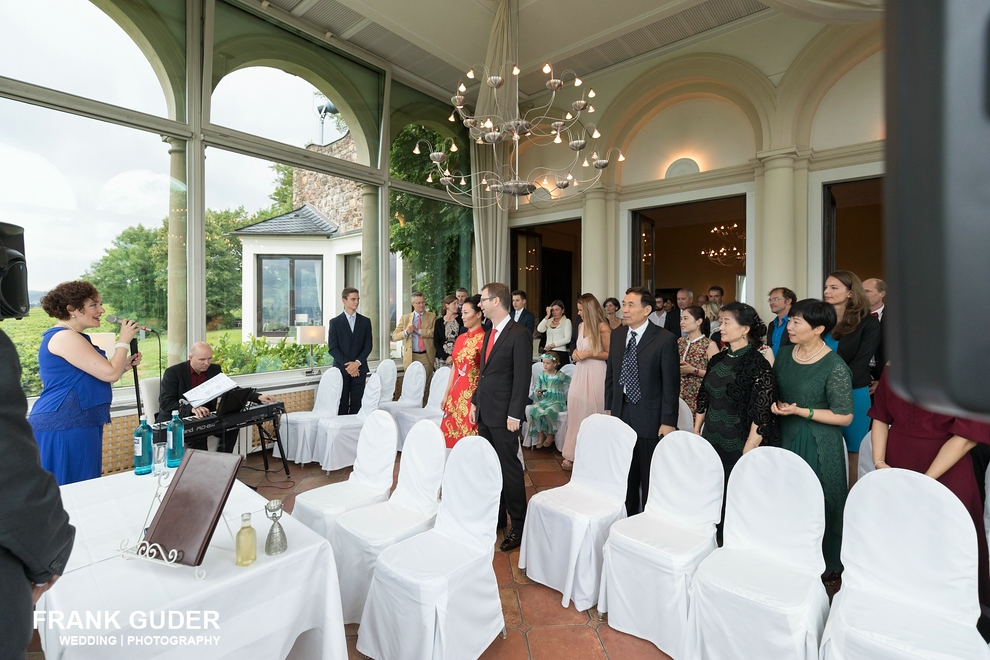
75, 183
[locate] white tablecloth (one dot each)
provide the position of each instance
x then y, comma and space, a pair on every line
282, 606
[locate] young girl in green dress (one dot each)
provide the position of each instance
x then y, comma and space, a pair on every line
550, 400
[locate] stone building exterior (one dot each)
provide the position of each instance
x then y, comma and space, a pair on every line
338, 199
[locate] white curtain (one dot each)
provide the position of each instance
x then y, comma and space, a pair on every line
830, 11
491, 224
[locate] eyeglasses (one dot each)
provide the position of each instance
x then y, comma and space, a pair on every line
488, 298
770, 300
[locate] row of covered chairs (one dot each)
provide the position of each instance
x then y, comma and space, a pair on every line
416, 572
909, 586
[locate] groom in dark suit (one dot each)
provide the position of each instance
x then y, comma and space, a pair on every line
499, 401
349, 341
642, 386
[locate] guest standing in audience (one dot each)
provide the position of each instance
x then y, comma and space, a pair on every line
856, 338
696, 349
586, 395
550, 400
519, 312
665, 316
815, 400
876, 292
69, 416
716, 295
685, 298
464, 371
415, 331
938, 446
734, 400
642, 381
710, 311
780, 301
702, 299
556, 329
611, 307
445, 332
349, 342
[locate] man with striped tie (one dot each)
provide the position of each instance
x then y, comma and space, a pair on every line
642, 385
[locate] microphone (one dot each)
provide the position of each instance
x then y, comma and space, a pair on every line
116, 320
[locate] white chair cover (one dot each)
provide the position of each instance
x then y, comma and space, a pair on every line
866, 465
435, 595
360, 536
761, 594
370, 482
566, 527
651, 557
337, 437
301, 427
150, 393
685, 418
389, 374
909, 589
413, 386
406, 418
568, 369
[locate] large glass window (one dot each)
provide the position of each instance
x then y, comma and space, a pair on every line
289, 293
95, 201
416, 117
131, 53
260, 101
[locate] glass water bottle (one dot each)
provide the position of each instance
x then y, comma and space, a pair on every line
247, 542
142, 447
174, 441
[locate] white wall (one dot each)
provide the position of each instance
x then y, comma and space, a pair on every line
713, 133
853, 110
332, 251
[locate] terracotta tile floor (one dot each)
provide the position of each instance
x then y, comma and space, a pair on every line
538, 628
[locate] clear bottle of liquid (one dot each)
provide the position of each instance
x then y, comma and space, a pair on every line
174, 441
247, 542
142, 447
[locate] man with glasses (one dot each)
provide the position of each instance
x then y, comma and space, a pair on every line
415, 331
780, 301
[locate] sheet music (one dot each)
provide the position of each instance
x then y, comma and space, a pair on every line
209, 390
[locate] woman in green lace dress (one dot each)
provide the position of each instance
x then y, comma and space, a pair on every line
738, 390
550, 398
815, 391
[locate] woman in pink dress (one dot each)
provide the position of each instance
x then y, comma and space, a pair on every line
586, 395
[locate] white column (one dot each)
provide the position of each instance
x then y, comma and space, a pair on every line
776, 259
370, 234
594, 245
177, 338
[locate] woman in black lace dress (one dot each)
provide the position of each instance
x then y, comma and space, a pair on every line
733, 406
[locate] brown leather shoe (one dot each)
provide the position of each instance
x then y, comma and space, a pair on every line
512, 540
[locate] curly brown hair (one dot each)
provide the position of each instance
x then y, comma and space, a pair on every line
56, 302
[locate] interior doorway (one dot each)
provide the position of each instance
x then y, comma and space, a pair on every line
853, 228
692, 246
546, 264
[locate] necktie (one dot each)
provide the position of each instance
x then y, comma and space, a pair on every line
420, 347
491, 342
875, 315
629, 378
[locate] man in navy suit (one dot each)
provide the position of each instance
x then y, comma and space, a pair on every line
642, 386
499, 401
349, 341
519, 312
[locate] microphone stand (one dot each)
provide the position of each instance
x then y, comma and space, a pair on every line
137, 385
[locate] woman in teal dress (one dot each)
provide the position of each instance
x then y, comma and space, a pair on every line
74, 405
550, 401
815, 390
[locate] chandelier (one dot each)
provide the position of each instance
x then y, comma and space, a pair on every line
503, 128
726, 255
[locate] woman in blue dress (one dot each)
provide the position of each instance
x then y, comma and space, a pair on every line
74, 405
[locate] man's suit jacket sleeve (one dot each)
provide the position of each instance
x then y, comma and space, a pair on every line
522, 374
168, 396
400, 328
366, 344
333, 346
34, 528
529, 321
670, 382
615, 349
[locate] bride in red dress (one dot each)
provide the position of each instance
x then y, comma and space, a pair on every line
464, 373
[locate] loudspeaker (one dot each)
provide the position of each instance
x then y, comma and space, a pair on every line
14, 301
937, 197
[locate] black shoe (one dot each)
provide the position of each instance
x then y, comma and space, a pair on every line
512, 540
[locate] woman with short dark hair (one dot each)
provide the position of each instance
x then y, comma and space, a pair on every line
695, 349
556, 328
815, 401
855, 339
445, 331
734, 402
612, 306
69, 416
